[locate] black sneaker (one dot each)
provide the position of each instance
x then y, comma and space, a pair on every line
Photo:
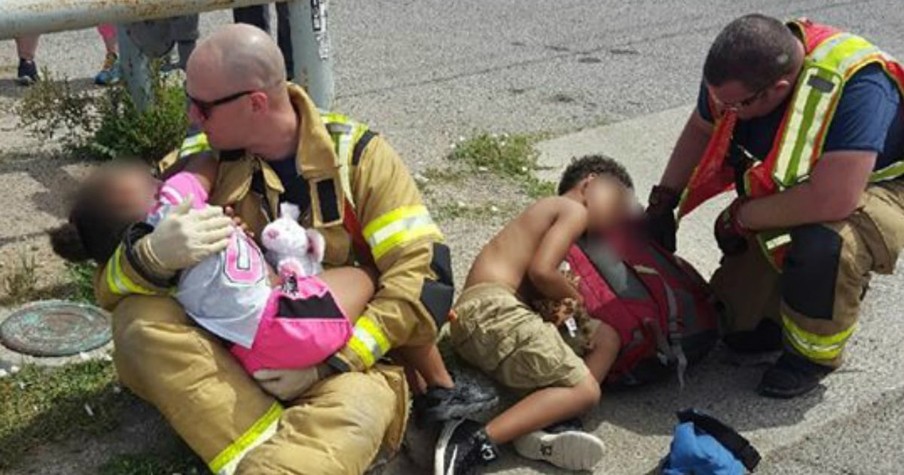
791, 376
564, 445
465, 399
28, 72
462, 447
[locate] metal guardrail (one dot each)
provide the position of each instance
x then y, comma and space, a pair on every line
308, 20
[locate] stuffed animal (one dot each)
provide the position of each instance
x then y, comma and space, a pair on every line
290, 248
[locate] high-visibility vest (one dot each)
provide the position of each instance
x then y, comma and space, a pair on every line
832, 57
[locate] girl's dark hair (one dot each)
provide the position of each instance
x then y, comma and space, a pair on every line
585, 166
95, 228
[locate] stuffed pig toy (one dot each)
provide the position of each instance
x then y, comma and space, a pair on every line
291, 249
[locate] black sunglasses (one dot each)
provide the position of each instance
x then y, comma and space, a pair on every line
206, 107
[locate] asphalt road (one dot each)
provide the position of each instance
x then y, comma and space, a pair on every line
426, 72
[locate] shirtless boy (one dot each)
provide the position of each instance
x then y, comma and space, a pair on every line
495, 330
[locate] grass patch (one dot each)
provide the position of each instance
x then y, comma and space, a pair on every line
447, 211
81, 278
40, 405
509, 156
21, 281
106, 125
180, 460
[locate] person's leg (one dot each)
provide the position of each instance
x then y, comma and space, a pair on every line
185, 34
506, 339
109, 71
26, 48
191, 378
257, 15
337, 427
284, 37
747, 289
824, 280
352, 288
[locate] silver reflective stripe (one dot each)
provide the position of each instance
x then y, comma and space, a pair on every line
369, 341
400, 225
823, 50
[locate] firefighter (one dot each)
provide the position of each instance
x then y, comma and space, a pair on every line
332, 418
805, 122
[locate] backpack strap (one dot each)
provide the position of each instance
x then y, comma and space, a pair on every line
672, 346
728, 437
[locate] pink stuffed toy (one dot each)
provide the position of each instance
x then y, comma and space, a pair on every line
291, 249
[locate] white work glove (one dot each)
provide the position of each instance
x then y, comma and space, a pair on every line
287, 384
187, 236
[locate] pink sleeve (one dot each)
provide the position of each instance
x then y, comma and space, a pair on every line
179, 186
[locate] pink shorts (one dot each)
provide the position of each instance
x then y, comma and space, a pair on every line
297, 329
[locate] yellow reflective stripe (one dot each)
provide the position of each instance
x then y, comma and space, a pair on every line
888, 173
816, 347
192, 145
399, 226
118, 281
368, 341
226, 462
810, 111
823, 50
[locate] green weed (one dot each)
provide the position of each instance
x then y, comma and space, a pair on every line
40, 405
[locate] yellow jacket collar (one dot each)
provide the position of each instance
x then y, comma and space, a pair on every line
316, 155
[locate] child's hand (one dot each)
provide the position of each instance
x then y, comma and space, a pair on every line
557, 312
230, 211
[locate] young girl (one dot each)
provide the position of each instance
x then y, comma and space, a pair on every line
272, 323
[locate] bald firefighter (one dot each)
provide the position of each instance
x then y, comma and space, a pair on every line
805, 121
332, 418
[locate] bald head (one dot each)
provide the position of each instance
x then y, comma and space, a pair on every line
238, 57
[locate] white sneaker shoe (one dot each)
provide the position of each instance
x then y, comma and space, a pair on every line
571, 449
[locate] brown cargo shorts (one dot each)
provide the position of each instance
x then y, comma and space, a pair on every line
499, 334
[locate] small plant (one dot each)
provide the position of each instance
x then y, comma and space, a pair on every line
106, 125
20, 284
81, 277
510, 156
506, 155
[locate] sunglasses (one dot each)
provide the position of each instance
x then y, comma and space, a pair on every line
742, 104
205, 108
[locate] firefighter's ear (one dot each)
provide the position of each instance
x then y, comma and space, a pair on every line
260, 103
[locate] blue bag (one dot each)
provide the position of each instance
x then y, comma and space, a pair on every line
705, 446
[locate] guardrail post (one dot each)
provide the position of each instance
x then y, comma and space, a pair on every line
135, 67
311, 50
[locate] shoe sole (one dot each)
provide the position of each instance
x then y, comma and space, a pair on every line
458, 411
442, 442
570, 450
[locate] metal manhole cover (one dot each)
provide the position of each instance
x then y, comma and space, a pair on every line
55, 328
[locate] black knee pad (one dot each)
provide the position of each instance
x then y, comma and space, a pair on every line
810, 271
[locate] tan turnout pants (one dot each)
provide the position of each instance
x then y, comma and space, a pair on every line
816, 297
337, 427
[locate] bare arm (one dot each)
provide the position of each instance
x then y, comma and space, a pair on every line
204, 166
832, 193
568, 224
687, 152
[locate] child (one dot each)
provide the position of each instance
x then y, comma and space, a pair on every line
495, 330
233, 294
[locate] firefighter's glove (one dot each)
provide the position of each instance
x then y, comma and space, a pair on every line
288, 384
731, 235
187, 236
659, 217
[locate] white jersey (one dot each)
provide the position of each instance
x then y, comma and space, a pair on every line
227, 292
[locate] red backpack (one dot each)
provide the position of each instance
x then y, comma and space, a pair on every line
663, 311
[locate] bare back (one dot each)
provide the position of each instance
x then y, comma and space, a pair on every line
531, 245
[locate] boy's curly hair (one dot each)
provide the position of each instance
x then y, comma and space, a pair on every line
587, 165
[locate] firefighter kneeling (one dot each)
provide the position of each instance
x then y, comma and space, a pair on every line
805, 121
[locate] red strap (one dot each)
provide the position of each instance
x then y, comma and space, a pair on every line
353, 227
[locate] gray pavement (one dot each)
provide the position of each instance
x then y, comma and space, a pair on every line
427, 72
